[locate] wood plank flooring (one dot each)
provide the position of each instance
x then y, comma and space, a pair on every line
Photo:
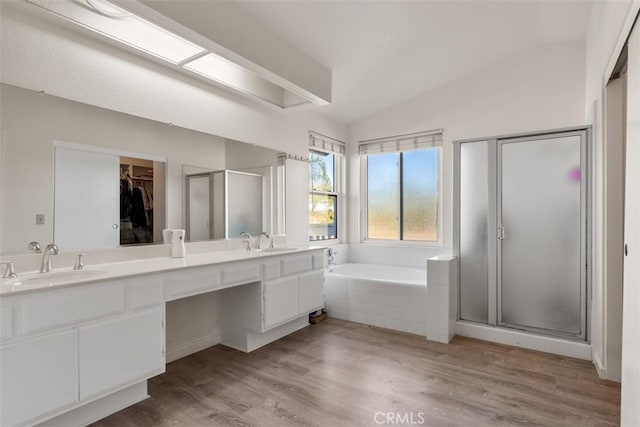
340, 373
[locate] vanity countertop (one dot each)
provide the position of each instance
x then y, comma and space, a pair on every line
62, 277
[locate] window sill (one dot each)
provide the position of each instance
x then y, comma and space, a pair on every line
402, 243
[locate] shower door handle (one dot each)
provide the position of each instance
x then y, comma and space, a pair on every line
501, 233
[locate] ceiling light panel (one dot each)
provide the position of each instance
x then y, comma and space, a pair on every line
220, 70
119, 24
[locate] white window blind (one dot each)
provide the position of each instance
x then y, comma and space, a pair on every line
408, 142
325, 143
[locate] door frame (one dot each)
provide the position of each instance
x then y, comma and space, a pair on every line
585, 226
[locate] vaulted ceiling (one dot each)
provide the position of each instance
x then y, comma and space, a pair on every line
379, 53
382, 53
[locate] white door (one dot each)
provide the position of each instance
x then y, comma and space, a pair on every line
630, 414
280, 301
38, 377
121, 351
87, 200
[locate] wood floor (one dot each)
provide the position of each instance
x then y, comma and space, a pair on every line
345, 374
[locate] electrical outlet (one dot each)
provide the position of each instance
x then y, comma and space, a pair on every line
39, 219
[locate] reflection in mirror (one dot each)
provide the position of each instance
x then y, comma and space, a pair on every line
224, 204
105, 200
35, 126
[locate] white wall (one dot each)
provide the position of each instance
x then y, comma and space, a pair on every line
539, 89
31, 122
630, 413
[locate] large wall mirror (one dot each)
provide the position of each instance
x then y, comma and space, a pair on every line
88, 178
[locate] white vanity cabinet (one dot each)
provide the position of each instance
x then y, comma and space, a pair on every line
280, 299
119, 351
39, 375
255, 315
72, 354
66, 347
311, 291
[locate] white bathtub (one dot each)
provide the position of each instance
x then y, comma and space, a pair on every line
379, 295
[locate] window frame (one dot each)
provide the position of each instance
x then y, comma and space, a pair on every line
364, 194
338, 192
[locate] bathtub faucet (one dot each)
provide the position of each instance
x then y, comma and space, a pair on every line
332, 256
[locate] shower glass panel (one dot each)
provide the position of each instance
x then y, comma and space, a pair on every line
540, 283
244, 209
474, 219
199, 193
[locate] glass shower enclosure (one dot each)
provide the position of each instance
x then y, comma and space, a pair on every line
521, 232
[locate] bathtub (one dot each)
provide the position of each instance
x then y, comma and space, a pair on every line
380, 295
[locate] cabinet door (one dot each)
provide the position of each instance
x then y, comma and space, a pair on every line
310, 291
38, 377
121, 351
280, 301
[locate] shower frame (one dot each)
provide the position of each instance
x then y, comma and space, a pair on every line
493, 223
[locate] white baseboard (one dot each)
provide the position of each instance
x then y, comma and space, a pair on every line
601, 368
578, 350
193, 346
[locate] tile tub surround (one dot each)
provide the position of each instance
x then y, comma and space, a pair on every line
385, 303
442, 298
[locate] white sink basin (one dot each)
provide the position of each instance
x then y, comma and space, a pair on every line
58, 277
62, 276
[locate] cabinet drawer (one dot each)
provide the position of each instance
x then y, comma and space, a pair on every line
311, 291
121, 351
270, 270
144, 291
194, 281
38, 376
295, 264
240, 274
62, 307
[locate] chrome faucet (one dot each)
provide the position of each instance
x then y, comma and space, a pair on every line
9, 273
34, 247
332, 256
268, 236
51, 249
248, 241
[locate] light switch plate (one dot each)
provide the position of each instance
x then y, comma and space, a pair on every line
39, 219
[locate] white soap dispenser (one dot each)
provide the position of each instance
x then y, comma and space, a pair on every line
177, 241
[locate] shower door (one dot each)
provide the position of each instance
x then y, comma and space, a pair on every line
541, 234
521, 234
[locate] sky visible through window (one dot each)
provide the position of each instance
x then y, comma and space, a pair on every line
419, 195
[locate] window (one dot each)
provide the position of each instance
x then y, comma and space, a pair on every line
401, 189
325, 162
